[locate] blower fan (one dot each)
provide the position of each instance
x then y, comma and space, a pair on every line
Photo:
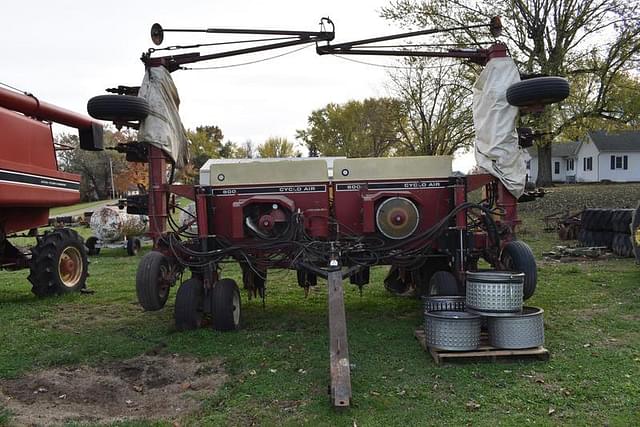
397, 218
267, 221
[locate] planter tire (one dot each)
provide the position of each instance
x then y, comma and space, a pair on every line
188, 311
517, 256
444, 283
118, 108
58, 263
152, 281
538, 91
227, 306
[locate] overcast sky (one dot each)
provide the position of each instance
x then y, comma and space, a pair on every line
65, 52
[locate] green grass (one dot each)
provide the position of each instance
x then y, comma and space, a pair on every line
592, 313
59, 211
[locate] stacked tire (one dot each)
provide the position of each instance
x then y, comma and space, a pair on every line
609, 228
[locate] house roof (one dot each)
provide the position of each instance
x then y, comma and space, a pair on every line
558, 149
619, 141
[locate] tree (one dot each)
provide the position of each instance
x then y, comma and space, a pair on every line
246, 150
438, 107
206, 143
94, 167
596, 39
373, 127
277, 147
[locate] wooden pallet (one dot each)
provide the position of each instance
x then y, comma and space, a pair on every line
484, 351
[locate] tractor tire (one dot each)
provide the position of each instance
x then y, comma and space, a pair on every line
188, 310
118, 108
152, 281
538, 91
227, 306
58, 263
90, 244
517, 256
444, 283
634, 228
133, 246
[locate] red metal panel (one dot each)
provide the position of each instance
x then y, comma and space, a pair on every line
355, 208
26, 141
13, 220
226, 216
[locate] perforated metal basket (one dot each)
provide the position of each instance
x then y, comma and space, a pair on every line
494, 293
452, 330
443, 303
523, 330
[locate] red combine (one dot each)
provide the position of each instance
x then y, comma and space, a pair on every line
31, 183
329, 220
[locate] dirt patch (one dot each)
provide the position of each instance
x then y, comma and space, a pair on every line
149, 387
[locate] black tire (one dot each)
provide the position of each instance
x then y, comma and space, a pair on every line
538, 91
91, 243
227, 306
517, 256
120, 108
634, 229
58, 263
152, 281
444, 283
133, 246
189, 305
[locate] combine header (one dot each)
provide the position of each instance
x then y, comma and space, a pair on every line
31, 183
329, 222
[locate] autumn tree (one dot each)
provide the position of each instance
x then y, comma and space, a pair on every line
206, 143
437, 104
594, 39
94, 167
277, 147
370, 128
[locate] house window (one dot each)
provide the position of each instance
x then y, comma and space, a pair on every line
619, 162
570, 164
529, 164
587, 163
556, 168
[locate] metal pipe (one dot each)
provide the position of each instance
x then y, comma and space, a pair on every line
31, 106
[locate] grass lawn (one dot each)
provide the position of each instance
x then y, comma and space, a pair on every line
59, 211
278, 362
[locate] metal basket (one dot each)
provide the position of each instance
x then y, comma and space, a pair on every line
494, 293
524, 330
443, 303
452, 330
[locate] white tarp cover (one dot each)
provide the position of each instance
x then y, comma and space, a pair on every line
496, 143
163, 127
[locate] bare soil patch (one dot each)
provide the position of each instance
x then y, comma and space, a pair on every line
146, 387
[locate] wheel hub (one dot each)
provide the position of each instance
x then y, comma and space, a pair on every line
70, 266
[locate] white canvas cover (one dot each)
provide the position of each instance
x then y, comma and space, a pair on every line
163, 127
496, 142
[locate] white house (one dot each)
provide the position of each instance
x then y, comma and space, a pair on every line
563, 162
601, 156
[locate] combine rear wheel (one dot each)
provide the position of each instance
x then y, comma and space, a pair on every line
153, 281
133, 246
226, 305
189, 305
58, 263
91, 244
